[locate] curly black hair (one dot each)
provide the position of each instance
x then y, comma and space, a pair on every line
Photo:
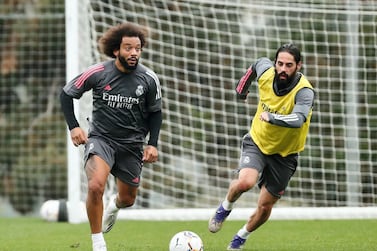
112, 38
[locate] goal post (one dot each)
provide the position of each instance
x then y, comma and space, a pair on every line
72, 69
79, 56
199, 49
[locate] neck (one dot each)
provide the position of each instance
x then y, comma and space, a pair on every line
120, 67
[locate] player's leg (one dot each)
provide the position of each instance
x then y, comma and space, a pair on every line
98, 157
261, 214
127, 170
124, 198
263, 211
247, 178
273, 183
126, 194
97, 171
250, 165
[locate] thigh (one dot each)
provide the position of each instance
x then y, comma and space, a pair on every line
97, 170
248, 176
98, 157
101, 148
251, 156
128, 164
278, 173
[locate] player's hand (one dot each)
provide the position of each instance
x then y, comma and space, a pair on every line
78, 136
264, 117
150, 154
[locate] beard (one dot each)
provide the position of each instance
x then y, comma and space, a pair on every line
125, 64
283, 80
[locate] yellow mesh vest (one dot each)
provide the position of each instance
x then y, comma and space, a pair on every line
273, 139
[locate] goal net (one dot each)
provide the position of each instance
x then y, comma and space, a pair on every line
32, 132
199, 49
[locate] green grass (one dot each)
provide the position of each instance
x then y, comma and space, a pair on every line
33, 234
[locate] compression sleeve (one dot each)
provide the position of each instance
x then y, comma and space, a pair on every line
154, 124
66, 102
293, 120
252, 73
242, 88
304, 102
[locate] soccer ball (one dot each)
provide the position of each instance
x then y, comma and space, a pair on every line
186, 241
54, 210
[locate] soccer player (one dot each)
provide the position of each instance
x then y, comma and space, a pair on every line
269, 152
126, 108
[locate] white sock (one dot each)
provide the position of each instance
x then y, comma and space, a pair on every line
227, 205
243, 233
98, 239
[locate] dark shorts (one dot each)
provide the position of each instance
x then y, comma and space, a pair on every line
125, 160
275, 171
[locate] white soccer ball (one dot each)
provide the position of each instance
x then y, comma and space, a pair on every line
54, 210
186, 241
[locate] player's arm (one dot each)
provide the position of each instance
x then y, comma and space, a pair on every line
154, 120
242, 88
66, 103
78, 136
154, 105
252, 73
304, 103
74, 89
154, 123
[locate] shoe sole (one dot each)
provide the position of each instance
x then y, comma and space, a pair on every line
234, 249
109, 226
214, 227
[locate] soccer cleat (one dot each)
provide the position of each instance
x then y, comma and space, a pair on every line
216, 221
100, 247
110, 215
237, 243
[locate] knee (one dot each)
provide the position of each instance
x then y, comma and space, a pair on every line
247, 179
95, 189
125, 201
265, 210
245, 185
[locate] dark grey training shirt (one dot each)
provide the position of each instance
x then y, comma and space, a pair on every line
121, 101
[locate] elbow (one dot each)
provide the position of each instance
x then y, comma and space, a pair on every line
298, 125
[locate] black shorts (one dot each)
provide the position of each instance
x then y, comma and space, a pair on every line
125, 160
275, 170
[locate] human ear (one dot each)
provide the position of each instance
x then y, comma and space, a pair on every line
299, 65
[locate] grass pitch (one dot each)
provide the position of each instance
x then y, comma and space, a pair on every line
34, 234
